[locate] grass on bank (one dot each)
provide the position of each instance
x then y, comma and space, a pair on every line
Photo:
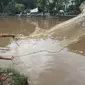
15, 77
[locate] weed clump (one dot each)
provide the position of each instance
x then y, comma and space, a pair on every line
11, 77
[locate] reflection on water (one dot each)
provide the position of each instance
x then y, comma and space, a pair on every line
43, 60
24, 26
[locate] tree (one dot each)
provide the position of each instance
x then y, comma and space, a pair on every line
2, 4
12, 8
55, 6
42, 5
77, 3
19, 7
28, 3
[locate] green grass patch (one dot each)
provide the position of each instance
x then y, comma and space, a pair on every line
14, 78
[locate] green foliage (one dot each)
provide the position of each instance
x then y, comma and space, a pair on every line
19, 7
28, 3
5, 2
77, 3
12, 7
19, 79
55, 6
42, 5
2, 3
16, 78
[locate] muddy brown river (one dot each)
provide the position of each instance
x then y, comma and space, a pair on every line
43, 60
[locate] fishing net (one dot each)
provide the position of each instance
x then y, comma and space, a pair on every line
67, 32
32, 47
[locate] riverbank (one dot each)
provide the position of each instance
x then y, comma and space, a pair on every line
38, 15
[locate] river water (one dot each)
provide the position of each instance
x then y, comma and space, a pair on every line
43, 60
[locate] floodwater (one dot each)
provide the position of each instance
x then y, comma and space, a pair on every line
43, 60
24, 26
